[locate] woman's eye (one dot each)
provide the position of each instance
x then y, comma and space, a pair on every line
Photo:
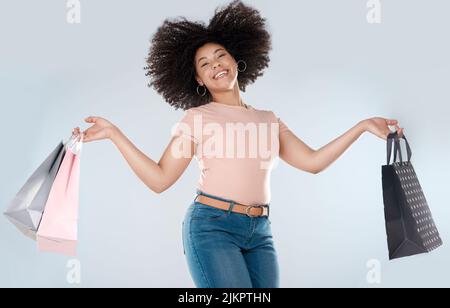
207, 62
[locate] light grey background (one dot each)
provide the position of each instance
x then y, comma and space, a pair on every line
330, 69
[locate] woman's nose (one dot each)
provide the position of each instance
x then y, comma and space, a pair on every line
215, 65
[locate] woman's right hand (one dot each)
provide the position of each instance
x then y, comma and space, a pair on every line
101, 129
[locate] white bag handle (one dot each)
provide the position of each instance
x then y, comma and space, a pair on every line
75, 145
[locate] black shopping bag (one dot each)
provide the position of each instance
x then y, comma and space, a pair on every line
409, 225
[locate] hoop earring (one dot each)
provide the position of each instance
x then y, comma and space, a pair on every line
204, 93
244, 67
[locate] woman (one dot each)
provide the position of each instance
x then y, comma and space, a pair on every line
227, 237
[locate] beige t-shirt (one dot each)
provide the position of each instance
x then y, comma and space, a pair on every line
235, 149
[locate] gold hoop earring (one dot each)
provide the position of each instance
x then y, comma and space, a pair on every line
204, 92
245, 66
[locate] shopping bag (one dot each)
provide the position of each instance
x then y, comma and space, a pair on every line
25, 210
410, 226
58, 229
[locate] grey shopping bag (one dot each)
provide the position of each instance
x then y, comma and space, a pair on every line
25, 210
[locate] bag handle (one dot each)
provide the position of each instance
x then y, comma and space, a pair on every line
75, 143
393, 137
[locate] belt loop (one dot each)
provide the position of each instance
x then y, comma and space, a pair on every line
199, 193
231, 207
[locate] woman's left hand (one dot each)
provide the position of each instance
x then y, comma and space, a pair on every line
380, 127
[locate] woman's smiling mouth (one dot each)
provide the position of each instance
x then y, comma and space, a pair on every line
221, 74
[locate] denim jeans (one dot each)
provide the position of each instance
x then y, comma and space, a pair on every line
228, 250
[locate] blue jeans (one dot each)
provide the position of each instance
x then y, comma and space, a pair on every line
228, 250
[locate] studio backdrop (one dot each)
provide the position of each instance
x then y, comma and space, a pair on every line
333, 64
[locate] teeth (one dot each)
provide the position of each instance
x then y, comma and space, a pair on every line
220, 74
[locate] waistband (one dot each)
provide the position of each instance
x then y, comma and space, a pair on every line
255, 210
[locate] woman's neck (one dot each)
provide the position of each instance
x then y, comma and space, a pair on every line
232, 98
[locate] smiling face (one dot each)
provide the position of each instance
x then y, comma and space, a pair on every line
215, 68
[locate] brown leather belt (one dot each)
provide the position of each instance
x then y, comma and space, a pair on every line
249, 210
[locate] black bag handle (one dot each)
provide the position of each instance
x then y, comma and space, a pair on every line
397, 148
393, 137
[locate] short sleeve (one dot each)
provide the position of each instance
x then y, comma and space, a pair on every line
185, 127
281, 125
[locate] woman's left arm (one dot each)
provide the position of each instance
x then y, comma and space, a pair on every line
299, 155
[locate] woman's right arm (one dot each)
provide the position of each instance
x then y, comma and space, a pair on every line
157, 176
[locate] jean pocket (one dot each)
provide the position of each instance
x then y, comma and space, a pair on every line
207, 212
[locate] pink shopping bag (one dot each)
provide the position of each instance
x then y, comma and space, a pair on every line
58, 229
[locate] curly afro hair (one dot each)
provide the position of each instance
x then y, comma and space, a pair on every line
170, 62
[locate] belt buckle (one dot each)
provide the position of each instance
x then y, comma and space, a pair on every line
247, 211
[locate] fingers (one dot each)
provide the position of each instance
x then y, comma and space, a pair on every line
391, 122
86, 138
399, 130
76, 132
90, 119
